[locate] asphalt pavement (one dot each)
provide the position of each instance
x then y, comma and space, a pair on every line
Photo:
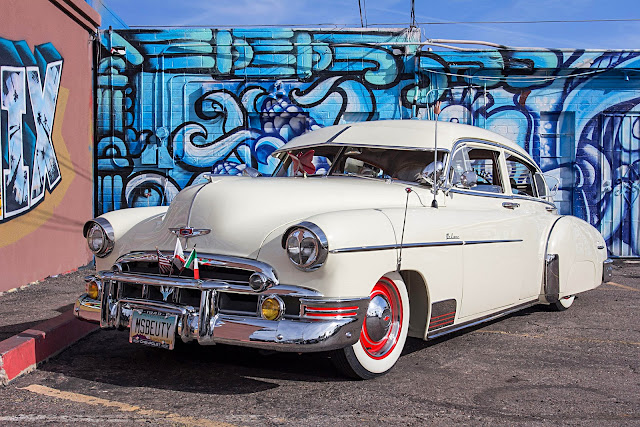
536, 367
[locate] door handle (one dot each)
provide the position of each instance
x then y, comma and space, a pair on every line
510, 205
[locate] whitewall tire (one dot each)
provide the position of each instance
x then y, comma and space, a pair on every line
383, 334
563, 303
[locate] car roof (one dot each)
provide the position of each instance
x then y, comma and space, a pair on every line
399, 134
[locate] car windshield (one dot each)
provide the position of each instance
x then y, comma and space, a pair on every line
415, 166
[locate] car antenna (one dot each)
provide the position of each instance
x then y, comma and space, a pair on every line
434, 202
404, 221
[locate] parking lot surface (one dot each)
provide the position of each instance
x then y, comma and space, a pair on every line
536, 367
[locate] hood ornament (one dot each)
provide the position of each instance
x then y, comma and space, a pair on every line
190, 231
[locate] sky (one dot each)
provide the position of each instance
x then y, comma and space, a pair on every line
434, 18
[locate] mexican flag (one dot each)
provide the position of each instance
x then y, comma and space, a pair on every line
192, 262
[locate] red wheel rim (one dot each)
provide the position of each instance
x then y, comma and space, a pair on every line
384, 294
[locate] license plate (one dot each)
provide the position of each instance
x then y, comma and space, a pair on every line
153, 329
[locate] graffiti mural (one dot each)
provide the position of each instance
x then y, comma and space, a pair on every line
175, 104
30, 85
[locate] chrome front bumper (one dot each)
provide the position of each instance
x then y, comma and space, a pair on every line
309, 333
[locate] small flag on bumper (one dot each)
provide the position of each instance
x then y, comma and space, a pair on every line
178, 256
164, 263
192, 262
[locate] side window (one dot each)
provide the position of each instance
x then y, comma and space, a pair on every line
458, 167
486, 165
476, 169
521, 177
541, 186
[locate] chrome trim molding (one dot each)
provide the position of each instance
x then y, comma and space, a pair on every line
487, 318
211, 260
421, 245
208, 285
480, 242
314, 308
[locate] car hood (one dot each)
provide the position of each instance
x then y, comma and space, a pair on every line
241, 211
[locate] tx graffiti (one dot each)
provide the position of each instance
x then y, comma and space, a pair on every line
30, 85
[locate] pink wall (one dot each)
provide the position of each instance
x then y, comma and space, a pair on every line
41, 214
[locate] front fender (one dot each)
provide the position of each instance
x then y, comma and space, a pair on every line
348, 274
123, 221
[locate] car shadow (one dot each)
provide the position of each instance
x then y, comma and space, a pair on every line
416, 344
107, 357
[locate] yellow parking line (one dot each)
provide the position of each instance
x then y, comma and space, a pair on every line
629, 288
123, 407
592, 340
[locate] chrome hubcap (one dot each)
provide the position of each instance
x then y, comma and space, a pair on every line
378, 320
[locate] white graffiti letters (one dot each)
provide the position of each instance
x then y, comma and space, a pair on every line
43, 104
18, 192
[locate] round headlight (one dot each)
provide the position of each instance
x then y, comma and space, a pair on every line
99, 234
306, 246
96, 238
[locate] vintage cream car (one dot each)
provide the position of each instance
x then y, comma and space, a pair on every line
365, 234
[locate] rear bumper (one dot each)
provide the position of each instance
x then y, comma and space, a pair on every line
308, 333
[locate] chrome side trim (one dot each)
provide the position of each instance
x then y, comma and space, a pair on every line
421, 245
480, 242
226, 261
479, 193
395, 246
487, 318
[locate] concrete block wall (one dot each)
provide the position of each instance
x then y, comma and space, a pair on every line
174, 104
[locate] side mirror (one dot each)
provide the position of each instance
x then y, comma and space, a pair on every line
553, 184
248, 171
469, 179
431, 171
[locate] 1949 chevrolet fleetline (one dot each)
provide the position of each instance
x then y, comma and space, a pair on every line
365, 234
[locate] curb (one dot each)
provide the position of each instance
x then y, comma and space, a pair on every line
21, 353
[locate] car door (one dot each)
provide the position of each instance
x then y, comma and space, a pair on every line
535, 214
492, 233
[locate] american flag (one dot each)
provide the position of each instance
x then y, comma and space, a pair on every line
164, 263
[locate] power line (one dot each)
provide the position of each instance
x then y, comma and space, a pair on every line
360, 7
543, 21
551, 21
